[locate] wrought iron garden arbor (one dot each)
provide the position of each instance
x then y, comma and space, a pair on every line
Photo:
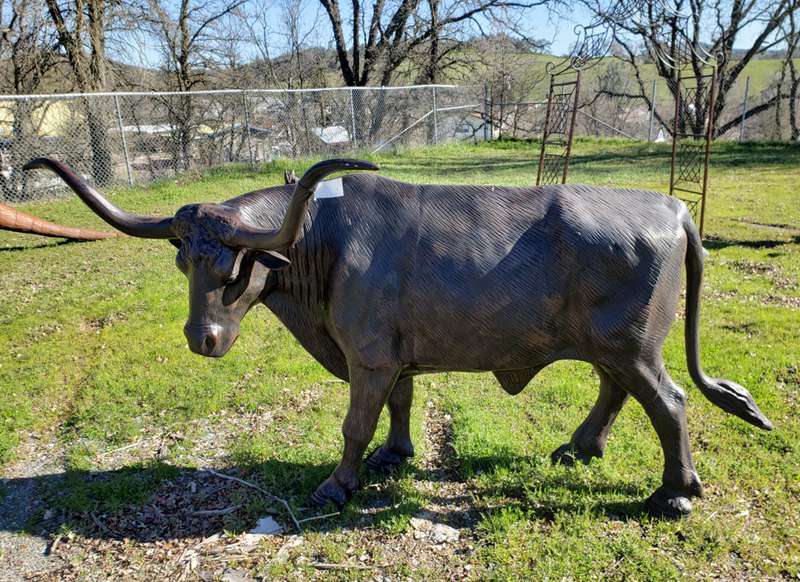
692, 124
694, 95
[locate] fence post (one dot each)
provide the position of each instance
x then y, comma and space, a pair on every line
353, 118
744, 109
124, 141
486, 111
435, 121
247, 127
652, 113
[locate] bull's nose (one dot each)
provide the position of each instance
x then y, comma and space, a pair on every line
203, 339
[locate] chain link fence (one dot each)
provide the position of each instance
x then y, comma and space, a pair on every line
748, 114
135, 138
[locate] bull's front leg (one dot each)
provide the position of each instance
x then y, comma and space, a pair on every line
369, 390
398, 446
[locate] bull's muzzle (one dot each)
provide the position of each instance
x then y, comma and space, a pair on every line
208, 340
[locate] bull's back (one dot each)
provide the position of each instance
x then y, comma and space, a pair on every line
487, 278
512, 275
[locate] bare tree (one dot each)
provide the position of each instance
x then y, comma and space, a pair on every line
789, 76
260, 37
705, 28
28, 52
188, 36
191, 40
508, 64
81, 29
373, 52
28, 43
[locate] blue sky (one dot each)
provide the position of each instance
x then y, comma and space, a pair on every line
558, 30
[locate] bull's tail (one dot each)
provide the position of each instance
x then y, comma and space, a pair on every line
728, 395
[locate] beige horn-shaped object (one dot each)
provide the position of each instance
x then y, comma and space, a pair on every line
19, 221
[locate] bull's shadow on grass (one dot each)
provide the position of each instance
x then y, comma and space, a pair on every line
157, 501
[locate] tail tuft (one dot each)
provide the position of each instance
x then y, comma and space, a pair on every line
735, 399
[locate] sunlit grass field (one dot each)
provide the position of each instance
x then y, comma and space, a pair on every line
93, 355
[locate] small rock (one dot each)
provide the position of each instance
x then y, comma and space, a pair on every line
209, 540
266, 526
236, 576
48, 515
248, 542
442, 534
439, 533
283, 553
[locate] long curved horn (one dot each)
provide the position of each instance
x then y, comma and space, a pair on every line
132, 224
289, 231
18, 221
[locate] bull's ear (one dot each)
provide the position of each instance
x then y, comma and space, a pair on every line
272, 260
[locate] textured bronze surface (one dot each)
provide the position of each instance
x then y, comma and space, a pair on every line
18, 221
392, 280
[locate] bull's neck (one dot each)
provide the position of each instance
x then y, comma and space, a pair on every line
311, 256
305, 279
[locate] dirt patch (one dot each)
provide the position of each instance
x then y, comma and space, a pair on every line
774, 273
24, 554
180, 531
95, 325
788, 301
441, 537
749, 329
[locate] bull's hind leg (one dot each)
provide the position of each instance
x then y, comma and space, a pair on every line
589, 439
398, 446
665, 405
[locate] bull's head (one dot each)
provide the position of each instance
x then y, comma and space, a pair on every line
225, 258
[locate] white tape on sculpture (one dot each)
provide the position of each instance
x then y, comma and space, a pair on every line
329, 189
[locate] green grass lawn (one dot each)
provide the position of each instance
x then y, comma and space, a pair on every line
93, 356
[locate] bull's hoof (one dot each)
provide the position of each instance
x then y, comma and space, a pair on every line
569, 454
332, 491
385, 461
668, 503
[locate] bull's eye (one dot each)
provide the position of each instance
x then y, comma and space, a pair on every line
236, 286
227, 265
180, 261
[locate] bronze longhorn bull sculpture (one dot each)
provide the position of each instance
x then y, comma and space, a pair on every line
390, 280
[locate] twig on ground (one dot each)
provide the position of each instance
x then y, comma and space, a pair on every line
133, 445
104, 527
260, 490
51, 549
332, 566
212, 512
316, 517
612, 567
162, 434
